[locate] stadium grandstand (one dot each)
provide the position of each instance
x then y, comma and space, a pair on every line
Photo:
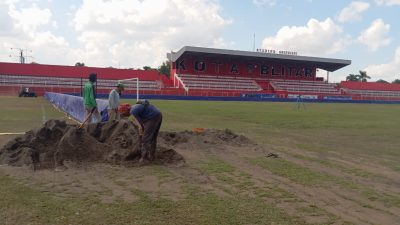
371, 90
198, 71
70, 79
206, 71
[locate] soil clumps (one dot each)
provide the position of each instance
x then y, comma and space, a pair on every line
114, 142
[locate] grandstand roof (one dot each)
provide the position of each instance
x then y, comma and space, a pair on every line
75, 71
328, 64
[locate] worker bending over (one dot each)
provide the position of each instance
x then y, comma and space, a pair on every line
149, 119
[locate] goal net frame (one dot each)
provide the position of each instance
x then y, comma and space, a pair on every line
137, 85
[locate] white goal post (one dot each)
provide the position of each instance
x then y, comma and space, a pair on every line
127, 83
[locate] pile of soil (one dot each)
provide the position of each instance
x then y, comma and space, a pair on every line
204, 139
115, 142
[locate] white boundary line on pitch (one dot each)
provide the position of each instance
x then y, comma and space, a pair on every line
17, 133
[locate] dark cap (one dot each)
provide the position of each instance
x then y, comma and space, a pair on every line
143, 102
93, 77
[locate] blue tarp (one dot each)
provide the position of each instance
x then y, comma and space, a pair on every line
72, 105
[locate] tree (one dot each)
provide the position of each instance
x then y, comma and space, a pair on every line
382, 81
79, 64
352, 77
147, 68
397, 81
165, 68
363, 76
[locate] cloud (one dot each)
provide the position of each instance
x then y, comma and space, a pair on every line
376, 35
389, 71
316, 38
352, 12
28, 27
387, 2
29, 19
6, 23
130, 33
138, 33
264, 2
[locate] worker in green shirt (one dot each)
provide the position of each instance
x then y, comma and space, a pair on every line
89, 99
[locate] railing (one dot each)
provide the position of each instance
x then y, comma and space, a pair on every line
181, 82
301, 86
60, 82
373, 93
218, 83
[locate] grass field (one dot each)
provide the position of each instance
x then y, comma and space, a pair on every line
337, 164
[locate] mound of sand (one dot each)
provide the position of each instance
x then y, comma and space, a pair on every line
115, 142
204, 139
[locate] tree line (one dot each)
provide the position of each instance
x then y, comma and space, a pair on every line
164, 68
363, 77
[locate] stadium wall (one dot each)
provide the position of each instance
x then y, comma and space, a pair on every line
76, 71
251, 99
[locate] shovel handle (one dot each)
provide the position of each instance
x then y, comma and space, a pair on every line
87, 118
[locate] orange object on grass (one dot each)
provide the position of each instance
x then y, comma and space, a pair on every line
199, 129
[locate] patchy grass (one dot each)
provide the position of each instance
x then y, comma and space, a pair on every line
366, 133
388, 199
214, 165
291, 171
306, 176
332, 164
161, 172
21, 204
22, 114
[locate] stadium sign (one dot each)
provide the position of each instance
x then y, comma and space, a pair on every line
271, 51
265, 69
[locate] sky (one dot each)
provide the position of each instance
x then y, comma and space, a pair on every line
137, 33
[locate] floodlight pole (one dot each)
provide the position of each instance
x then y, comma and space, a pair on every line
254, 42
21, 56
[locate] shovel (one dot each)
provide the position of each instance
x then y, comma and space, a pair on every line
87, 118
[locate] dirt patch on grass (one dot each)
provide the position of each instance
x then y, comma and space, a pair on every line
102, 160
115, 142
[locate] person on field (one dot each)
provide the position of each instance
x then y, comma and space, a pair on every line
113, 102
149, 119
89, 99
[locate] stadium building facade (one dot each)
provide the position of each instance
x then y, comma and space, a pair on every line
219, 62
197, 71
